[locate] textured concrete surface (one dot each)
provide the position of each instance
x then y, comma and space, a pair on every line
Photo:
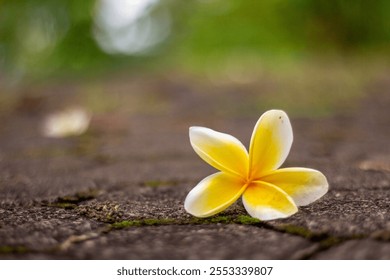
117, 192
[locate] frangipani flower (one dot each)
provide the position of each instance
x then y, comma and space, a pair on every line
69, 122
267, 192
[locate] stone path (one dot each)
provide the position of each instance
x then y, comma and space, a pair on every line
117, 191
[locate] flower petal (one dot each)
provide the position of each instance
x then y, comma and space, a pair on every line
267, 202
303, 185
270, 143
213, 194
220, 150
69, 122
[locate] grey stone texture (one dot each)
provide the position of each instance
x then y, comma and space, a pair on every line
117, 191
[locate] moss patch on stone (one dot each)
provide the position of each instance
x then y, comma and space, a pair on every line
247, 220
144, 222
241, 219
64, 205
219, 219
13, 249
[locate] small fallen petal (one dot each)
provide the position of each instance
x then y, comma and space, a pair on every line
70, 122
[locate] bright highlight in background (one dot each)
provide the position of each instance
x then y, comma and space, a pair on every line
131, 27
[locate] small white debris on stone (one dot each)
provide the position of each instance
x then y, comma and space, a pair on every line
69, 122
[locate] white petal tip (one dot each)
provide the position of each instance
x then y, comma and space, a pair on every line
267, 214
191, 209
315, 192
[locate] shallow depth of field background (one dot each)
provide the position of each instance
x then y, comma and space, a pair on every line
310, 57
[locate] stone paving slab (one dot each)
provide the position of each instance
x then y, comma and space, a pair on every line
35, 228
357, 250
117, 192
215, 241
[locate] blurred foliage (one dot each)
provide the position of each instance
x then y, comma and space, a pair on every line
218, 29
40, 38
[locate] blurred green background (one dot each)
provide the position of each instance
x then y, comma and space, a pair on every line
318, 53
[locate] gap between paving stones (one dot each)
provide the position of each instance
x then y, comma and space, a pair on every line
356, 140
323, 241
72, 202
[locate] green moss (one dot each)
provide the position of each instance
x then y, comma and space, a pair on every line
64, 205
145, 222
13, 249
203, 221
220, 219
246, 220
153, 222
125, 224
194, 221
242, 219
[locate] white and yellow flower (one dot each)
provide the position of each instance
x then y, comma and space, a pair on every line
267, 192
